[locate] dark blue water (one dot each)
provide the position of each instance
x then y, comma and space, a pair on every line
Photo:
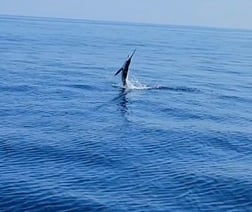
71, 139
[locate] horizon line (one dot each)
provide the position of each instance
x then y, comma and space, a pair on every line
126, 22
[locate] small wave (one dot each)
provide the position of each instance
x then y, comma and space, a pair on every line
236, 98
81, 86
180, 89
16, 88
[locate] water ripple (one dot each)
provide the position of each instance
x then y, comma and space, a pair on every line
71, 141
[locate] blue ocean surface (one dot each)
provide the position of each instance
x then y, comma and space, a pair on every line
179, 138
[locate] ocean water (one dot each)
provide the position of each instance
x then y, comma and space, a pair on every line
179, 138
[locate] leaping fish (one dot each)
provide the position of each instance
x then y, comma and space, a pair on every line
125, 69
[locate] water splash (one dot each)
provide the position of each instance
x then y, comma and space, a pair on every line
136, 85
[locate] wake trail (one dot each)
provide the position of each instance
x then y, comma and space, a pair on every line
136, 85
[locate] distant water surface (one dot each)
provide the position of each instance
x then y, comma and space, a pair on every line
72, 139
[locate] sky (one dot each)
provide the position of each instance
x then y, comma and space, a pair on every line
210, 13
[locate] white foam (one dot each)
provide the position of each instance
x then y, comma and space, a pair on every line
136, 85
